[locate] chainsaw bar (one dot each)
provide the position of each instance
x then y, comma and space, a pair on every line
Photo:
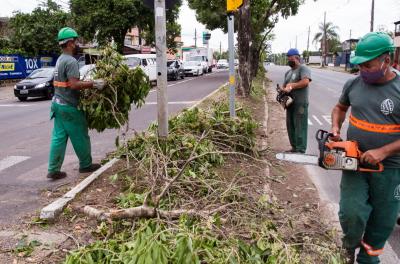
298, 158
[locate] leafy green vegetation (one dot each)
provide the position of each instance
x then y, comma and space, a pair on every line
109, 108
207, 173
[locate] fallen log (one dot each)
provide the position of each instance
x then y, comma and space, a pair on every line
145, 212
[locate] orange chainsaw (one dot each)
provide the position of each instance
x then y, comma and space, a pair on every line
333, 155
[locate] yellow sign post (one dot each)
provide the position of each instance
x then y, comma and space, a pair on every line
233, 5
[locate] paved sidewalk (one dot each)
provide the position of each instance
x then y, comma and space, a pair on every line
7, 92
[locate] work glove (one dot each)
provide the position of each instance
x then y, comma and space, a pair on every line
99, 84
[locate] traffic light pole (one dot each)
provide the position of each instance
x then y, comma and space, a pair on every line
161, 49
231, 65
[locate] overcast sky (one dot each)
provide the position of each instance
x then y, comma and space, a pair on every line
348, 15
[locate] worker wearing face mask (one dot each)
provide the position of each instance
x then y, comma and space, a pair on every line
296, 84
369, 202
69, 121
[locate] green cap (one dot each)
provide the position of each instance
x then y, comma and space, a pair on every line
371, 46
66, 34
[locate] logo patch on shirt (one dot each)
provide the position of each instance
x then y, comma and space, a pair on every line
397, 193
387, 106
293, 76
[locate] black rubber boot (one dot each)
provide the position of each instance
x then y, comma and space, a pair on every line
91, 168
56, 175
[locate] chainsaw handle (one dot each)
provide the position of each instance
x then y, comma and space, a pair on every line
322, 136
371, 168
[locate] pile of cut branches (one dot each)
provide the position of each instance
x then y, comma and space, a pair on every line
181, 206
109, 108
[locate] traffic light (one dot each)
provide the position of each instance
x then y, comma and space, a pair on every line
233, 5
206, 37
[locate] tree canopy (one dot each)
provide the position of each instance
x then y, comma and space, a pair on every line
36, 32
255, 21
106, 20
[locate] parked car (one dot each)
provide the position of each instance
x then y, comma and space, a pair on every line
203, 60
86, 72
193, 68
145, 61
222, 64
38, 84
175, 70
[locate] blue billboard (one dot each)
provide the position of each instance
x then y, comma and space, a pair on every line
18, 67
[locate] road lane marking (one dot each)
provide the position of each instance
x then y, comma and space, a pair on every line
174, 103
328, 119
188, 80
14, 105
11, 161
309, 122
316, 119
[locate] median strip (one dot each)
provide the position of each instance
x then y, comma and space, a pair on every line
51, 211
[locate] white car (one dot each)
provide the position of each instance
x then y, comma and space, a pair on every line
193, 68
222, 64
203, 61
145, 61
86, 72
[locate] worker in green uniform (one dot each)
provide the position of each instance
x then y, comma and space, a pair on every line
296, 84
69, 121
369, 202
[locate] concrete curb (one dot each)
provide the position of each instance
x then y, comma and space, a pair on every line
51, 211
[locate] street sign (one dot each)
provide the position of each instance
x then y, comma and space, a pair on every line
233, 5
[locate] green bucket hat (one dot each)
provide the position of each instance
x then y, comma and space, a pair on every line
371, 46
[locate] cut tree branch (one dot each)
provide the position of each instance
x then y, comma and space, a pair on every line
146, 212
161, 195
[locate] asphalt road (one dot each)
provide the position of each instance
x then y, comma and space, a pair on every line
325, 90
25, 130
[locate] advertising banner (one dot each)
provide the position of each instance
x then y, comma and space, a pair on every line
18, 67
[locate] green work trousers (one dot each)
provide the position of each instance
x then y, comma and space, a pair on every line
297, 126
69, 122
369, 206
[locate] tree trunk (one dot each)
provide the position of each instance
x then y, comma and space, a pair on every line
254, 61
120, 42
244, 49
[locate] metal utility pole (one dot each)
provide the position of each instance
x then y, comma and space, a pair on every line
232, 6
231, 24
220, 50
349, 52
324, 41
308, 42
161, 48
195, 37
372, 16
296, 42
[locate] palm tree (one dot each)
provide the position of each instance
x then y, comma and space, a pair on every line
331, 36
